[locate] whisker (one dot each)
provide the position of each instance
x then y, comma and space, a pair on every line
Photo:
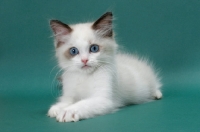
55, 83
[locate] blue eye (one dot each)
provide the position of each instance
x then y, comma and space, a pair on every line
73, 51
94, 48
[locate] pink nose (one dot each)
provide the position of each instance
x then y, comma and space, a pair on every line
84, 61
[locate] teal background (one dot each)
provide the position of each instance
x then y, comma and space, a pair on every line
166, 31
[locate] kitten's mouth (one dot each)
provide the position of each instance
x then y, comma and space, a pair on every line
85, 66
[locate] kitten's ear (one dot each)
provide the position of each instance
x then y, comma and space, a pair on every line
59, 29
104, 25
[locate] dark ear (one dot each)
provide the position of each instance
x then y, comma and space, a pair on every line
59, 29
104, 25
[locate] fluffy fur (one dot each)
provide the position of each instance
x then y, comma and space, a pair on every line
108, 81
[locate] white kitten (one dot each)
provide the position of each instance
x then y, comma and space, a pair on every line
96, 79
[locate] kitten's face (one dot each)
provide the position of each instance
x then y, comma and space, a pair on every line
84, 47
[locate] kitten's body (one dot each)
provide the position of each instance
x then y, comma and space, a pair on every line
108, 80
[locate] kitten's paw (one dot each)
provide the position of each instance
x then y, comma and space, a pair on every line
158, 94
53, 111
68, 115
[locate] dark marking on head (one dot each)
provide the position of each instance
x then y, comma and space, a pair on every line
67, 54
59, 43
60, 29
104, 24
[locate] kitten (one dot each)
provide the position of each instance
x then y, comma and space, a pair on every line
96, 79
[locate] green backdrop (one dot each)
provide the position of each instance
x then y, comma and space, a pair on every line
165, 31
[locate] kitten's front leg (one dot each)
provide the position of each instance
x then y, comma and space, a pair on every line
56, 108
85, 109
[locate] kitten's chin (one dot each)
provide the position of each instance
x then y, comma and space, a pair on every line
87, 69
81, 69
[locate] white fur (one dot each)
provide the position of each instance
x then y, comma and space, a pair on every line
113, 80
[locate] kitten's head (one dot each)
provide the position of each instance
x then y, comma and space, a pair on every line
86, 46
